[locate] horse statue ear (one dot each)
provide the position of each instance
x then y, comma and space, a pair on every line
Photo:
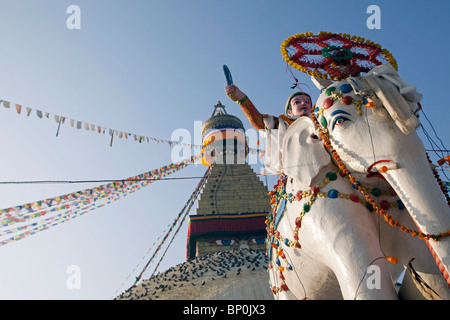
397, 96
321, 83
303, 153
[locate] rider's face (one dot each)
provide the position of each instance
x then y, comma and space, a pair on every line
300, 106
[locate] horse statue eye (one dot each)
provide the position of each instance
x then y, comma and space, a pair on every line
339, 121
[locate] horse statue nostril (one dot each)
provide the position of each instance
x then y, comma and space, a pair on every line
314, 136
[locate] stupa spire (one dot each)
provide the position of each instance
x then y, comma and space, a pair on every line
234, 204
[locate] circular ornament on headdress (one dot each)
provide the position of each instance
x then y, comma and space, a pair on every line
334, 56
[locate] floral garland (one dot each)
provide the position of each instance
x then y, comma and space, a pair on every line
334, 56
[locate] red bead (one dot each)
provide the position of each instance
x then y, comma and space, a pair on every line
328, 103
298, 222
299, 195
347, 100
315, 191
385, 205
354, 198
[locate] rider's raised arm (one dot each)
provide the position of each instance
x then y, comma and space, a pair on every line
254, 117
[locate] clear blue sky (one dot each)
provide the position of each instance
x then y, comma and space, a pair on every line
152, 67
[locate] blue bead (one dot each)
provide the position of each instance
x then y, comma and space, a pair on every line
333, 194
277, 261
400, 204
286, 242
345, 88
289, 266
290, 197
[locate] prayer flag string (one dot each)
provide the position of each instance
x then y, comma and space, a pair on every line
113, 133
24, 220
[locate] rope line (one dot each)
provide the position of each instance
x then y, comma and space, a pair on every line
188, 205
119, 181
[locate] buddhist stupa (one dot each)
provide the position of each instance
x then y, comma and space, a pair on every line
226, 248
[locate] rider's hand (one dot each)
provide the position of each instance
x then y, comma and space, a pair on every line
234, 93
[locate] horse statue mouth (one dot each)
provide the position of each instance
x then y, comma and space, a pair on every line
379, 167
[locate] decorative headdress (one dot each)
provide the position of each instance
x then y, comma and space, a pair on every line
329, 57
333, 56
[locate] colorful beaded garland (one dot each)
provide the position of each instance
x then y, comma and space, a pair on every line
378, 208
314, 193
339, 94
279, 194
